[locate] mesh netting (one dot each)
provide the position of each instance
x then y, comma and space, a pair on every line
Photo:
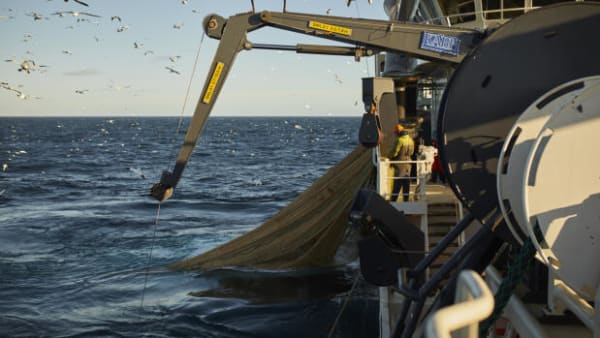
306, 233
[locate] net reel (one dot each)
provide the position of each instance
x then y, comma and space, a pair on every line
548, 182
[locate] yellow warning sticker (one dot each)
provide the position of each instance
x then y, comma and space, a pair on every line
212, 84
330, 28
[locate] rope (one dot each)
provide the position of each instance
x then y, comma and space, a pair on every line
179, 124
187, 92
150, 256
514, 276
339, 315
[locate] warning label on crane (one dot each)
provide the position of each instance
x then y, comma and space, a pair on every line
440, 43
330, 28
212, 84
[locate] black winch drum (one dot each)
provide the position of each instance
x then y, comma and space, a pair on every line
513, 67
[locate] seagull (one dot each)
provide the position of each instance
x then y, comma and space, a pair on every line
148, 52
24, 96
86, 20
184, 2
178, 25
328, 11
81, 91
174, 58
172, 70
79, 2
4, 167
118, 87
36, 16
7, 86
115, 17
75, 14
349, 1
137, 45
337, 79
67, 52
27, 66
122, 28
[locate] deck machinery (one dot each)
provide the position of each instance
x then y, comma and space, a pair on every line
511, 93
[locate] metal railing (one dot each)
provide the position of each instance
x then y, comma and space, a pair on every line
417, 192
473, 303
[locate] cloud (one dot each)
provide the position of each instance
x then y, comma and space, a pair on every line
82, 72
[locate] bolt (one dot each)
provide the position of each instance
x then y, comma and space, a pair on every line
212, 24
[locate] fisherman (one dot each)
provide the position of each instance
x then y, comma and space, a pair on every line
436, 167
403, 149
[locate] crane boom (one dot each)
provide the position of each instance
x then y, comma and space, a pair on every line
431, 42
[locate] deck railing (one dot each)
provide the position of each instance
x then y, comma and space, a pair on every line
387, 178
473, 303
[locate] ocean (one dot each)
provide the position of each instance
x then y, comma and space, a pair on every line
84, 250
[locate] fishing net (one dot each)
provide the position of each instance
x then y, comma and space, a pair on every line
306, 233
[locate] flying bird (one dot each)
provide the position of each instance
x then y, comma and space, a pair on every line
27, 66
122, 28
172, 70
36, 16
7, 86
79, 2
20, 94
178, 25
349, 1
75, 14
115, 17
337, 79
81, 91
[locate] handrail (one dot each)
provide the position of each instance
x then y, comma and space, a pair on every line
421, 193
485, 13
473, 303
384, 179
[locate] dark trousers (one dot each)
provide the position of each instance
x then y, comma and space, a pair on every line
400, 184
436, 175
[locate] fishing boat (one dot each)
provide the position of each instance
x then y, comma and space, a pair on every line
511, 93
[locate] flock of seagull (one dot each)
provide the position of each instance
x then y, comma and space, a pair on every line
28, 65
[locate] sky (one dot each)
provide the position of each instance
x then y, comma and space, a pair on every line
100, 66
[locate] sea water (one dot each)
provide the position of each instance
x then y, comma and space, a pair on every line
84, 250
